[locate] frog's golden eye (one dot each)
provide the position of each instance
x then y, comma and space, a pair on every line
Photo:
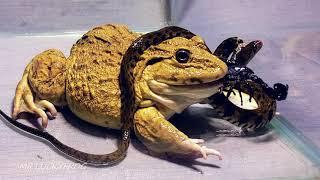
182, 55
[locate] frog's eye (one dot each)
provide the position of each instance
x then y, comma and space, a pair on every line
182, 55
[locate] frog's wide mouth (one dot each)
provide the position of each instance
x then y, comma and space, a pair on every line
195, 83
188, 91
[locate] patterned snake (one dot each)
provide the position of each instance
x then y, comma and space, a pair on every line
236, 54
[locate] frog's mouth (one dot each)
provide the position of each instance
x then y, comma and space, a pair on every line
200, 84
194, 83
195, 90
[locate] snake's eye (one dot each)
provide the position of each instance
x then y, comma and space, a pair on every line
182, 55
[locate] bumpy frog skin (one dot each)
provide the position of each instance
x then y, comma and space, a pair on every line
95, 81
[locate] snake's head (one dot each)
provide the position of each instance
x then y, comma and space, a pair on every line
181, 67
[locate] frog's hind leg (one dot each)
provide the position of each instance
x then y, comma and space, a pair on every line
42, 86
161, 137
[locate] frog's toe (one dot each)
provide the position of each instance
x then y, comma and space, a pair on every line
198, 151
197, 141
41, 113
24, 102
46, 105
27, 105
209, 151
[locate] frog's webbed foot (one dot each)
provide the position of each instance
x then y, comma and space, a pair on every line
42, 86
161, 137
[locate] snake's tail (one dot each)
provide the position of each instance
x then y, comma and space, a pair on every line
76, 155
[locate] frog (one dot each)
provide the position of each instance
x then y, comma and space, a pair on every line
120, 79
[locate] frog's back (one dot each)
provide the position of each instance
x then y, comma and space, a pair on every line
92, 88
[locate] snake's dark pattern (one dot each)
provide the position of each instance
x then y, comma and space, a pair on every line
237, 55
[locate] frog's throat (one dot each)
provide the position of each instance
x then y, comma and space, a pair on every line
178, 97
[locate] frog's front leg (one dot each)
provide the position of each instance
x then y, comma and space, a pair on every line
42, 86
160, 136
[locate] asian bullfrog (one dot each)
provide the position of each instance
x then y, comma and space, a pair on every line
121, 79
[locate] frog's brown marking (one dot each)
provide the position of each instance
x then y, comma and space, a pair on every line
128, 105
